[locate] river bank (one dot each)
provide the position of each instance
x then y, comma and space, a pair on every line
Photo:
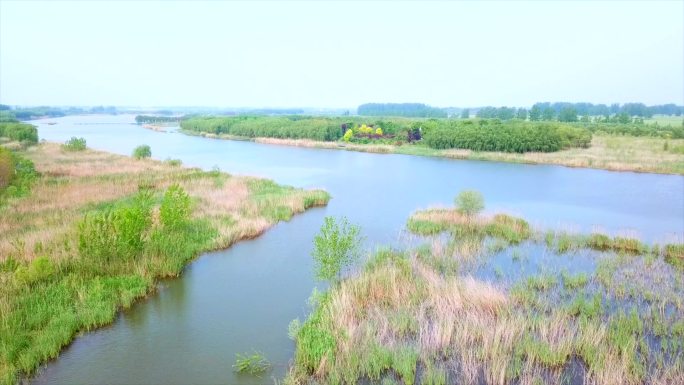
55, 284
613, 153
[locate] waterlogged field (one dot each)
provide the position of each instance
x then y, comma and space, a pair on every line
489, 300
94, 231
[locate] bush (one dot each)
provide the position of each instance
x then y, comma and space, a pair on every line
335, 247
174, 211
75, 144
6, 168
142, 152
17, 174
469, 202
116, 233
39, 269
21, 132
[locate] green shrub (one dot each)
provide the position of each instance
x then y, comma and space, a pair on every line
469, 202
174, 211
116, 233
336, 246
75, 144
6, 168
39, 269
22, 174
674, 254
142, 152
21, 132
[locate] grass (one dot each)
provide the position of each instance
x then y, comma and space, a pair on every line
60, 274
254, 363
409, 317
617, 153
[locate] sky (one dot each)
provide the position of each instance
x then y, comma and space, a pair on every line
340, 54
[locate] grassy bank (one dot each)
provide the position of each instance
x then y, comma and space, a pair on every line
487, 300
616, 153
96, 230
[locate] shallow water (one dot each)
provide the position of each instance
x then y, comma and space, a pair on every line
243, 298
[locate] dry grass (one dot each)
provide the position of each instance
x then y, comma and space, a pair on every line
616, 153
473, 329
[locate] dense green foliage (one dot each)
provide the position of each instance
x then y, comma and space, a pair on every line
414, 110
21, 132
629, 109
141, 152
17, 174
336, 246
292, 127
6, 168
514, 136
635, 129
74, 144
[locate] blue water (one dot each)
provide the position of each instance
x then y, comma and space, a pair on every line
243, 298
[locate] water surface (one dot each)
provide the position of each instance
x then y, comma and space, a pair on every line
243, 298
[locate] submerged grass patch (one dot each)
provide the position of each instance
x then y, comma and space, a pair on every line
97, 230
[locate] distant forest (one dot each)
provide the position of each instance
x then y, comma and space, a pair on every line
414, 110
561, 111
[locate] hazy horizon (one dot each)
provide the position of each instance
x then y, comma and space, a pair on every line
340, 54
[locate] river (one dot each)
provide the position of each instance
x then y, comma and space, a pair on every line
242, 299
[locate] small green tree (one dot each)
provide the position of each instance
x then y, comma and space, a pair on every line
142, 152
469, 203
348, 135
465, 114
336, 246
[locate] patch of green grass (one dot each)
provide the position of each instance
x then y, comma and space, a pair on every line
574, 281
629, 245
403, 323
586, 308
423, 227
376, 361
254, 363
404, 362
674, 254
315, 340
542, 282
513, 230
74, 144
600, 242
433, 375
543, 353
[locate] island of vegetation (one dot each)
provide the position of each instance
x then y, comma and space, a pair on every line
606, 142
86, 233
487, 299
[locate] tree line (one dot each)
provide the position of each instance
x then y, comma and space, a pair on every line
511, 136
573, 112
414, 110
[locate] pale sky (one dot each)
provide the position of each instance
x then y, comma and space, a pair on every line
340, 54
